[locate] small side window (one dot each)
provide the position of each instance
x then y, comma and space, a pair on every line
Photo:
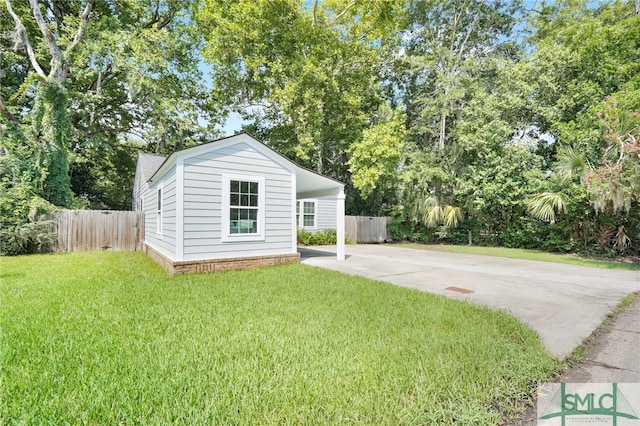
159, 213
306, 212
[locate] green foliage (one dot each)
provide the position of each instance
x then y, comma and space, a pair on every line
131, 75
375, 159
545, 205
429, 107
405, 226
51, 129
22, 225
307, 76
432, 213
616, 183
449, 50
320, 238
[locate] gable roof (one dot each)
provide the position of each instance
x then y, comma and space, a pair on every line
148, 164
307, 180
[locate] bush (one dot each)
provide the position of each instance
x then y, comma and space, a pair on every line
22, 225
320, 238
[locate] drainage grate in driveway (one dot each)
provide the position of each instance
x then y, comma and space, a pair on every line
459, 290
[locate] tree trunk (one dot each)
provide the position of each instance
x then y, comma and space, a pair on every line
443, 135
52, 127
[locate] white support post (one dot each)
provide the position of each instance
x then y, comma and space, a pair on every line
340, 225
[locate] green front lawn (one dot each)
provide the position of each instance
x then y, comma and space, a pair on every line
110, 338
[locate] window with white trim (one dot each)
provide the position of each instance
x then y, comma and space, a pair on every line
243, 205
243, 208
159, 213
306, 213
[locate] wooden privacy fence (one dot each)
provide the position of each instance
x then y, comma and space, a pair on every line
89, 230
365, 229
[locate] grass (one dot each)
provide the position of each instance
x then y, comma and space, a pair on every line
525, 254
110, 338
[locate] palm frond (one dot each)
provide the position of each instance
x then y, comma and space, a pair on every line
423, 204
433, 214
432, 217
452, 216
544, 206
570, 163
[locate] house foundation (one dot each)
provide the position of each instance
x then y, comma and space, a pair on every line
217, 265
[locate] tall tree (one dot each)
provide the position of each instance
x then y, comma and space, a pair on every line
586, 85
306, 73
446, 46
83, 80
454, 59
50, 125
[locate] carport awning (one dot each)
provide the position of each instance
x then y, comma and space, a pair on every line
311, 184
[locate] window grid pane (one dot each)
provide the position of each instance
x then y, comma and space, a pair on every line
243, 220
308, 220
308, 213
309, 207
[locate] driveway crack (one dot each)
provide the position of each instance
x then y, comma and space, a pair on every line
604, 365
625, 331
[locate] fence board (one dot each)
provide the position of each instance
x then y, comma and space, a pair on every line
366, 229
90, 230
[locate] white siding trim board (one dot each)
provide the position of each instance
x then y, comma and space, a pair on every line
179, 209
294, 203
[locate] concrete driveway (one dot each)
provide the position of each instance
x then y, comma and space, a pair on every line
564, 303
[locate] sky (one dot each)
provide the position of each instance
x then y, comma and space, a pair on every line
233, 125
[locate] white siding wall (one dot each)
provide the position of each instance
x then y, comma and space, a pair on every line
203, 203
326, 207
137, 188
165, 243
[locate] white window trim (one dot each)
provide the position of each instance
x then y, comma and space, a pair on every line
227, 236
301, 215
159, 215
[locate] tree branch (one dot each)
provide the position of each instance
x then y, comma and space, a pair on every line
167, 19
23, 31
84, 21
315, 8
466, 39
341, 14
161, 20
56, 55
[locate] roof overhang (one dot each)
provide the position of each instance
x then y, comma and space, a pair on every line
308, 183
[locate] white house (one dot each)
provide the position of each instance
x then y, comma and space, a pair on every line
232, 203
